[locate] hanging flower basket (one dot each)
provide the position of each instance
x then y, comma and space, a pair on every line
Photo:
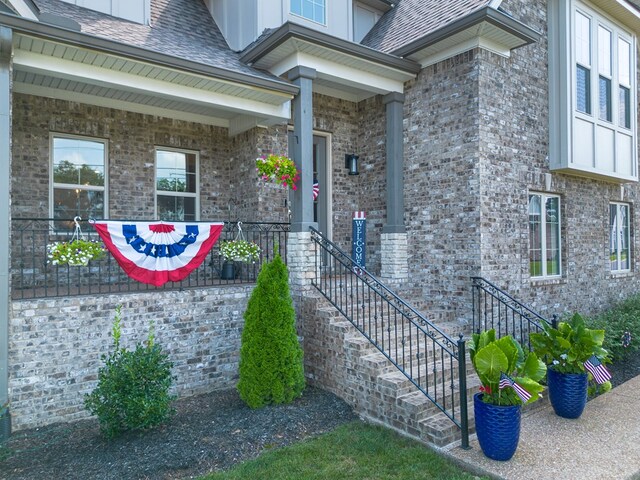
240, 251
75, 253
278, 169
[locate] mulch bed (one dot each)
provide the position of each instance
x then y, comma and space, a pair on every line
209, 432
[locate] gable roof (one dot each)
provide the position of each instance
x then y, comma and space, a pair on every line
411, 20
180, 28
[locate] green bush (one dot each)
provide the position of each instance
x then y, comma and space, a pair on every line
133, 386
271, 369
624, 317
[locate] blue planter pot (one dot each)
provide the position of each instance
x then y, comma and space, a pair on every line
497, 427
567, 392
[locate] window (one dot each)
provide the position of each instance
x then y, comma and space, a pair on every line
544, 235
592, 96
619, 237
79, 167
311, 9
177, 185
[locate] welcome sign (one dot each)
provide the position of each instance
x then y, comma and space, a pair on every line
359, 236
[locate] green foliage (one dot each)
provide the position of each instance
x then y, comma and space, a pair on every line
70, 173
622, 318
271, 369
567, 347
491, 358
75, 253
133, 386
239, 251
353, 451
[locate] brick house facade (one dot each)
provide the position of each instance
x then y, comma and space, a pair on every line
475, 145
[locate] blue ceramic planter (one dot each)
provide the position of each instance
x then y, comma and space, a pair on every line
567, 393
497, 427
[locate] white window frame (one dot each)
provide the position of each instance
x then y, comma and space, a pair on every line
324, 4
195, 195
543, 236
567, 153
72, 186
618, 235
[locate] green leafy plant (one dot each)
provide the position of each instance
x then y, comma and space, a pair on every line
622, 323
567, 347
278, 169
75, 253
133, 386
239, 251
271, 369
491, 358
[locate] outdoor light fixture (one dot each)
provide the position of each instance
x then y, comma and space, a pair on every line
351, 162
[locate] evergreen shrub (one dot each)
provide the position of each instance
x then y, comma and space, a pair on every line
133, 386
271, 369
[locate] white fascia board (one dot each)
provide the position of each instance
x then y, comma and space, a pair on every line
118, 104
495, 4
37, 63
23, 9
340, 74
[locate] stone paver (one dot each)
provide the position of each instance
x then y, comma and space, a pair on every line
604, 443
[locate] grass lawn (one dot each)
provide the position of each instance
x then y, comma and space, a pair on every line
354, 451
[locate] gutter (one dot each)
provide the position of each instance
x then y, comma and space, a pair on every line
485, 14
83, 40
292, 30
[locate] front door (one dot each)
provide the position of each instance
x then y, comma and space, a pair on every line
320, 181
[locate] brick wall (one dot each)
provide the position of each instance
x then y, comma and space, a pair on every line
513, 150
55, 345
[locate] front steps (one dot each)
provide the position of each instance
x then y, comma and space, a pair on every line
340, 359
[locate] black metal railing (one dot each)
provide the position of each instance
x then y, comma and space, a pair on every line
33, 277
495, 308
428, 357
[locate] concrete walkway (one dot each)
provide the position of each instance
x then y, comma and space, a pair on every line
604, 443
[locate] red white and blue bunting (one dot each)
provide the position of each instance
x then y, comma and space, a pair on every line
158, 252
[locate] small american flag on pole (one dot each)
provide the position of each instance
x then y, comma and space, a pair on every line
597, 369
507, 381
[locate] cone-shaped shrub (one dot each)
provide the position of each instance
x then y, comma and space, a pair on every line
271, 368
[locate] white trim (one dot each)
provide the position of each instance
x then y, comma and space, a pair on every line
618, 238
543, 235
65, 186
195, 194
23, 9
36, 63
329, 174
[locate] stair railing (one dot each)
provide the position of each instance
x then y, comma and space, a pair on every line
431, 360
495, 308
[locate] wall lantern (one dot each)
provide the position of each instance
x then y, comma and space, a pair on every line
351, 162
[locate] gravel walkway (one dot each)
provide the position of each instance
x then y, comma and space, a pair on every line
209, 432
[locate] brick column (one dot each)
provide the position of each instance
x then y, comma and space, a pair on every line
301, 262
393, 241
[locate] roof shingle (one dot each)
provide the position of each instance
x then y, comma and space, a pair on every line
180, 28
410, 20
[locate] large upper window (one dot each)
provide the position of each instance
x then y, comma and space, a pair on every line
593, 93
79, 167
619, 237
314, 10
176, 185
544, 235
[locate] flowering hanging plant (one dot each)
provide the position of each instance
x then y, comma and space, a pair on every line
278, 169
239, 251
75, 253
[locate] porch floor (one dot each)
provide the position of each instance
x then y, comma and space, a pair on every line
603, 443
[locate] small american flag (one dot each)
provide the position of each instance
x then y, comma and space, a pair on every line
597, 369
507, 381
316, 189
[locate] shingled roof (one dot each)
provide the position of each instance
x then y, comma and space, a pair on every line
180, 28
414, 19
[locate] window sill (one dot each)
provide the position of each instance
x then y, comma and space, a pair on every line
543, 281
625, 274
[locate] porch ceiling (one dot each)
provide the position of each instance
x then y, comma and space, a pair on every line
54, 69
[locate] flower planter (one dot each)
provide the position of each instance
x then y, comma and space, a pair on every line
497, 427
567, 393
228, 271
